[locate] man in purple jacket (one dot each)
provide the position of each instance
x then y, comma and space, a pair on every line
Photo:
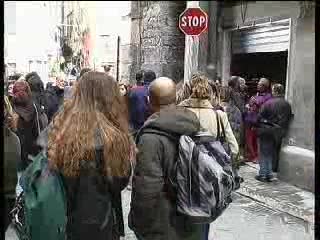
251, 117
138, 100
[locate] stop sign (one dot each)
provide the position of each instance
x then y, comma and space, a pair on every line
193, 21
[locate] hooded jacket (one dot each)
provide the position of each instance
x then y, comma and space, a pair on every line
153, 214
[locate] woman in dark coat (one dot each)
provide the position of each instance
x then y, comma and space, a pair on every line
89, 143
11, 159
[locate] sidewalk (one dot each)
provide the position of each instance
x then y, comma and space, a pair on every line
277, 195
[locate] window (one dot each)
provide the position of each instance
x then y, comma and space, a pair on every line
69, 25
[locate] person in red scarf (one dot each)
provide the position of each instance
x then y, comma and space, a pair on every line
28, 124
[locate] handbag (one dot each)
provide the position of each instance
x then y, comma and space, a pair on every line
18, 219
221, 134
42, 120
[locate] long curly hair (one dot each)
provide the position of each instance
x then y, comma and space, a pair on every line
96, 105
10, 117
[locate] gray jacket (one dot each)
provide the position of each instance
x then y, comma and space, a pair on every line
153, 213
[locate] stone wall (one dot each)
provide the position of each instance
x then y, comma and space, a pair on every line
297, 159
297, 166
156, 40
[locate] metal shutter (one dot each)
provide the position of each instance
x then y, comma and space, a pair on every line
272, 37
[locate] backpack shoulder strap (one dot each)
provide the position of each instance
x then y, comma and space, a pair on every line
218, 124
37, 118
221, 134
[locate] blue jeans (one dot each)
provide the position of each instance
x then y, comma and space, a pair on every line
267, 148
207, 230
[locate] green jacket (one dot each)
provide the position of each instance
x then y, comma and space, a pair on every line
12, 155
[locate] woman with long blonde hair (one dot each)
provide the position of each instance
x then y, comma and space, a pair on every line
89, 144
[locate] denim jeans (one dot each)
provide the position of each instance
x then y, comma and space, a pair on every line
207, 230
267, 148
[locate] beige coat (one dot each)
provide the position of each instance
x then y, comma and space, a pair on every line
206, 115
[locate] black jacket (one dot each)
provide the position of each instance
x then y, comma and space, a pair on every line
55, 98
12, 157
37, 90
94, 204
27, 131
274, 117
153, 214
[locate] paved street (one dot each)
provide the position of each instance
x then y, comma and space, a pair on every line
246, 219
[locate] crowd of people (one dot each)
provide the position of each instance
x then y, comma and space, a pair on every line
134, 131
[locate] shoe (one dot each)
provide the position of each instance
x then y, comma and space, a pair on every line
269, 179
241, 180
260, 178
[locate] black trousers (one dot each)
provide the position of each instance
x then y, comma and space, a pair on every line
275, 159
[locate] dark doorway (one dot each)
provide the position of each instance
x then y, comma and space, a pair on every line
252, 66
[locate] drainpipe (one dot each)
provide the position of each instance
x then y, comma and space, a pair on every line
118, 58
62, 18
214, 15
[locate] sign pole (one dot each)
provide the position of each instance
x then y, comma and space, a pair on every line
193, 22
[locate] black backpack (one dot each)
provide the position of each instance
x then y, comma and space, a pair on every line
203, 178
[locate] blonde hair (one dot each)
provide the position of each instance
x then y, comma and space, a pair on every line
10, 117
200, 87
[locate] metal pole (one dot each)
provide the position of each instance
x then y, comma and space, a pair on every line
62, 17
118, 58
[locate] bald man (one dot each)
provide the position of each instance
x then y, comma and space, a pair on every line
162, 94
153, 209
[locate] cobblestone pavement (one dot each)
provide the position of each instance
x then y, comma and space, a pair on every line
245, 219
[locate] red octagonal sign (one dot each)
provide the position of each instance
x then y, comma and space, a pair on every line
193, 21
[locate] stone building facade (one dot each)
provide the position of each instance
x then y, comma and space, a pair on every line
158, 44
75, 32
297, 158
156, 41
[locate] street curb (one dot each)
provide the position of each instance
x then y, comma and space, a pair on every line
273, 203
